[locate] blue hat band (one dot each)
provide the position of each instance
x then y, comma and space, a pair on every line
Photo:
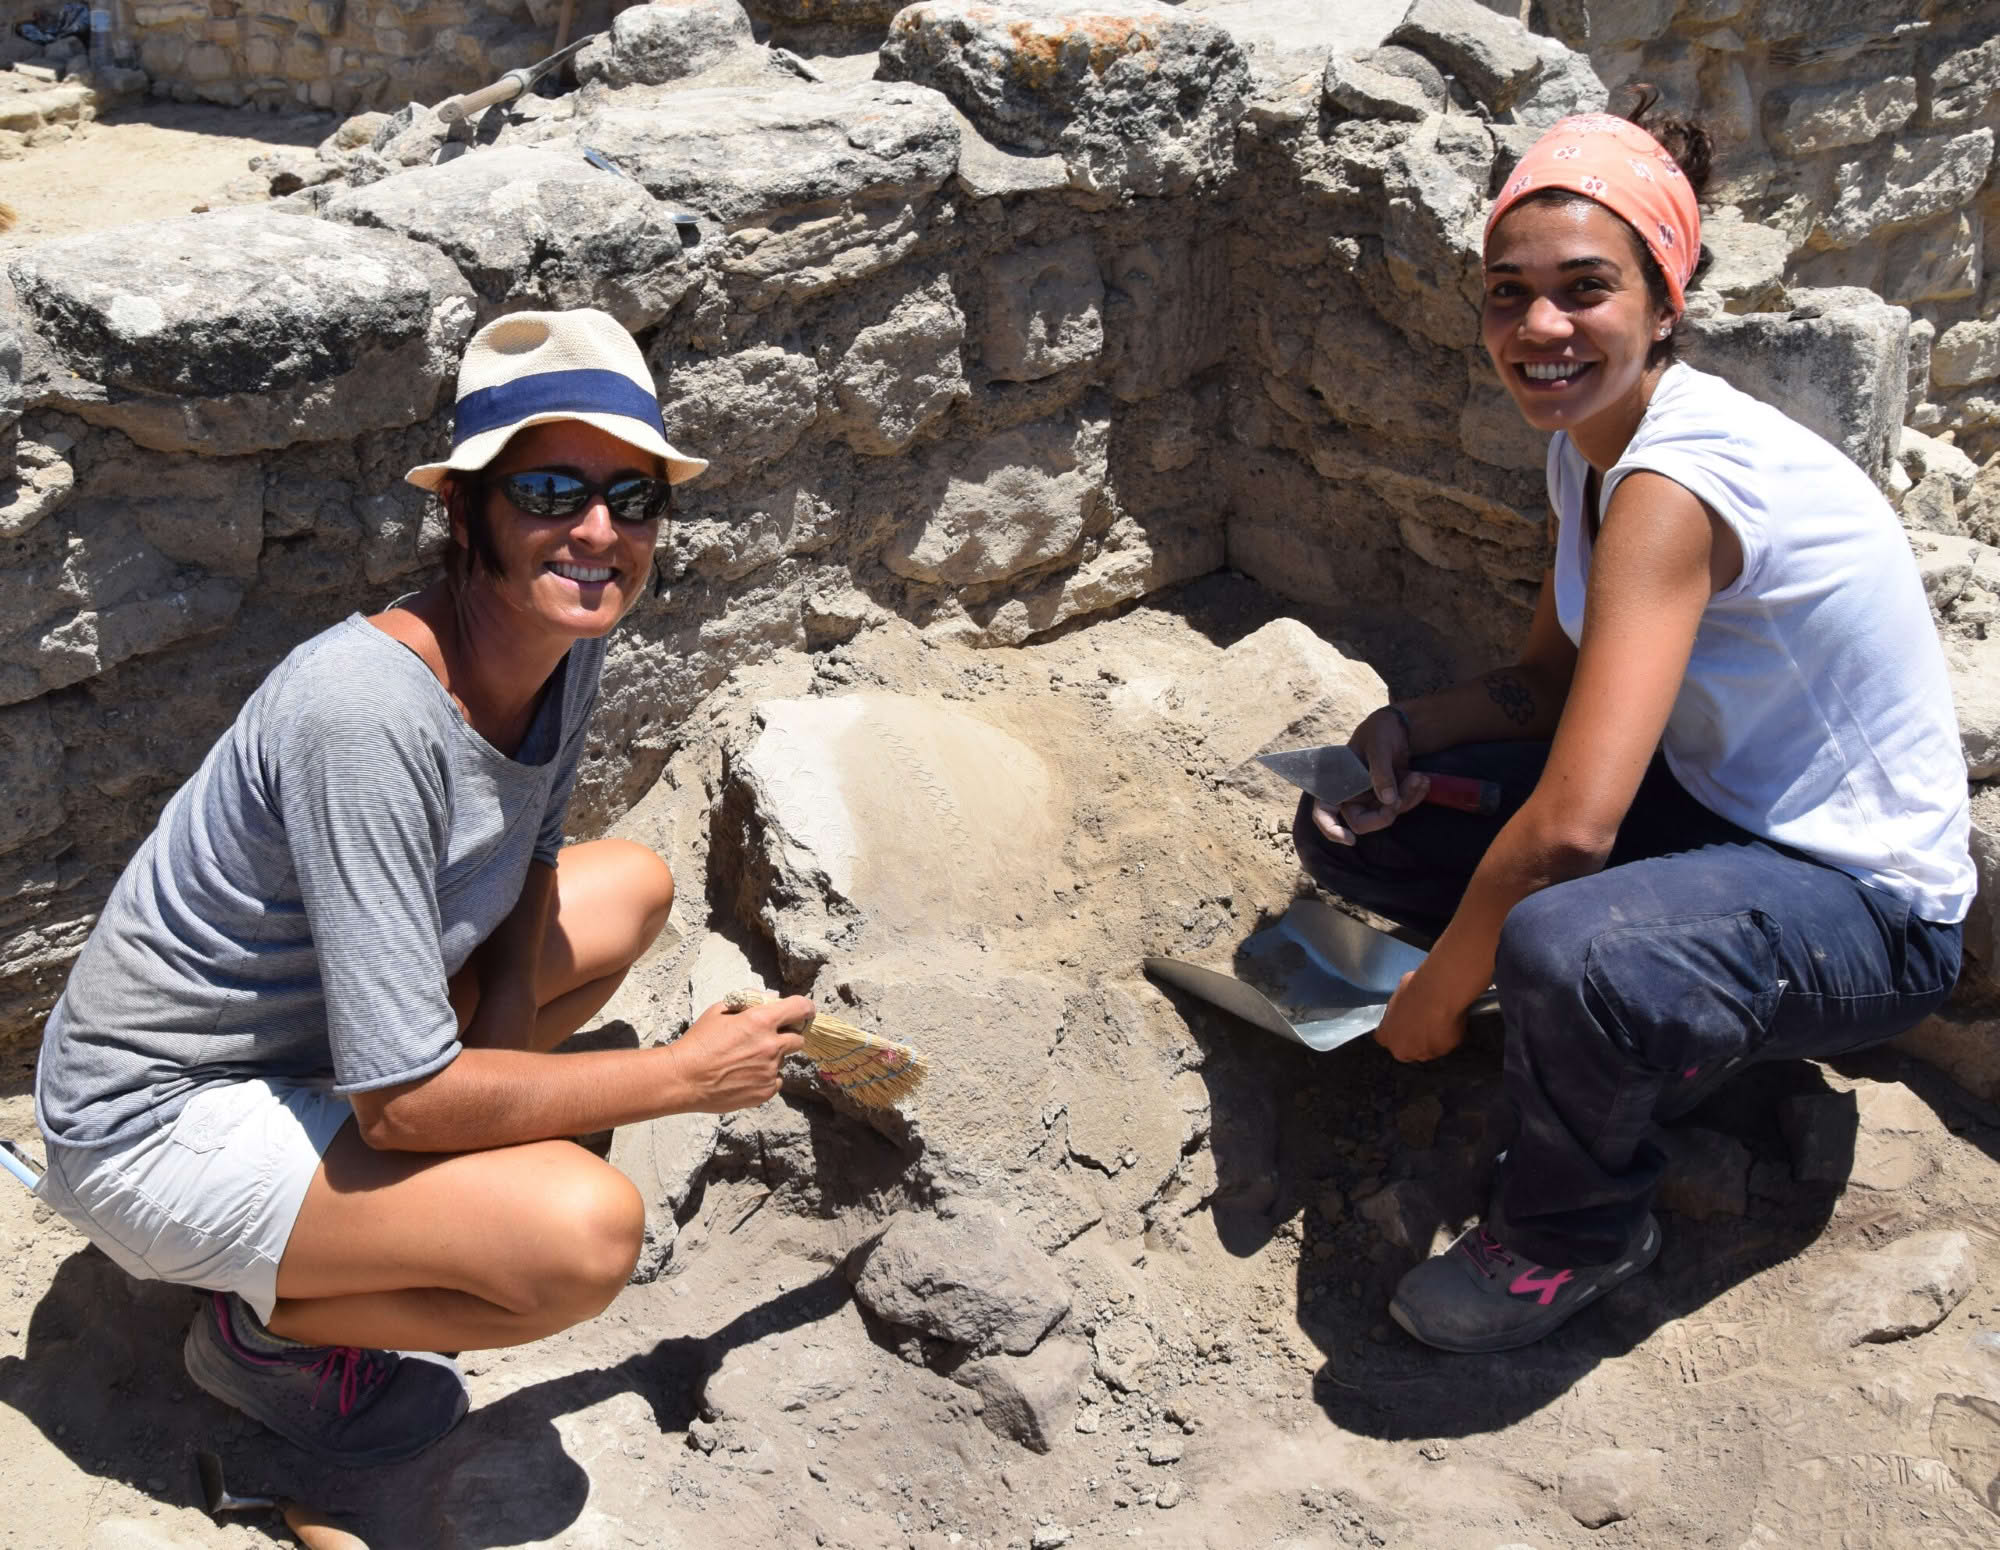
555, 392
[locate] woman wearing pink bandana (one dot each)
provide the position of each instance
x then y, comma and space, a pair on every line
1734, 824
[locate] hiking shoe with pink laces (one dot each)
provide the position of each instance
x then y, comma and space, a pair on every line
1478, 1295
340, 1403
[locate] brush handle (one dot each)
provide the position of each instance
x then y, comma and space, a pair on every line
1463, 793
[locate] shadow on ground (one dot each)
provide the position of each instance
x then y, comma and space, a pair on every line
102, 1380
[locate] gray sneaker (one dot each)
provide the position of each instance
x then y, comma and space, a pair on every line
339, 1403
1480, 1296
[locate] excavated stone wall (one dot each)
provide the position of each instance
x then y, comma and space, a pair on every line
1034, 312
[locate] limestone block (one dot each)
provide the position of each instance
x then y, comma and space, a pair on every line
1361, 84
39, 484
1975, 690
1805, 119
1966, 354
1836, 363
530, 228
245, 330
1030, 1399
747, 158
1905, 182
1493, 56
80, 645
1044, 311
1431, 236
741, 411
1609, 25
1962, 84
31, 782
1850, 22
852, 803
1979, 507
664, 40
1166, 315
1896, 1292
1012, 502
1491, 429
969, 1278
1747, 261
1936, 262
902, 374
1136, 98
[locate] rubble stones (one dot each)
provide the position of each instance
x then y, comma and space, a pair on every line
1359, 84
1136, 98
664, 40
1017, 500
902, 374
742, 411
968, 1278
30, 776
1122, 1351
1044, 311
247, 329
1962, 84
1405, 1215
1905, 182
1820, 118
1966, 354
1975, 691
1896, 1292
1494, 56
40, 483
1165, 315
1609, 1485
531, 228
1030, 1399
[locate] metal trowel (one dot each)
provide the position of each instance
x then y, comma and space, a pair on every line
1316, 977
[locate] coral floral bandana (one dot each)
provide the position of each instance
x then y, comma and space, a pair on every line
1616, 163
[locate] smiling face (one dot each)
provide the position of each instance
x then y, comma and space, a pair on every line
573, 576
1568, 321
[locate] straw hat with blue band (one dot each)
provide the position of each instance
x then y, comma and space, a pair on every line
531, 368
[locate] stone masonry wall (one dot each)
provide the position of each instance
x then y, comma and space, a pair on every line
1054, 308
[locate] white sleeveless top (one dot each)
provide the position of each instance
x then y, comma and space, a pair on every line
1816, 710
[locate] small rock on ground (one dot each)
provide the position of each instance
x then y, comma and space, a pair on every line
1607, 1485
1896, 1292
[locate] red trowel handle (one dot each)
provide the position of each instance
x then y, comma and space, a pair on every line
1463, 793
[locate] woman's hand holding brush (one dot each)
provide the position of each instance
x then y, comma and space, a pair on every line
729, 1058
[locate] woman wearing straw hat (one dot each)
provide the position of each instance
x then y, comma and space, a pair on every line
1735, 820
303, 1060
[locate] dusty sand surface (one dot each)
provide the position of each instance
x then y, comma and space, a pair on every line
143, 163
743, 1400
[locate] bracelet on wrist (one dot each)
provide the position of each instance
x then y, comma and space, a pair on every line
1397, 712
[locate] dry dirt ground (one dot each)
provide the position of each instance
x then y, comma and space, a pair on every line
142, 163
1279, 1408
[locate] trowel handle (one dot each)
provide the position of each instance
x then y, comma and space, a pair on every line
454, 109
1463, 793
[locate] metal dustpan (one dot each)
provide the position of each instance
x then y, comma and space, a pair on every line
1317, 977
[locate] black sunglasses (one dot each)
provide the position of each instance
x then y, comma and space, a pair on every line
557, 492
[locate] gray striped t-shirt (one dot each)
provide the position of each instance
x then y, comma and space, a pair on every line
305, 896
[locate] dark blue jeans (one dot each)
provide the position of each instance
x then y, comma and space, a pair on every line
1697, 950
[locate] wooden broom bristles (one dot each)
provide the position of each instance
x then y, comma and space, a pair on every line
873, 1071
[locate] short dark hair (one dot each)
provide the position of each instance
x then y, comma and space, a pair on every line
1693, 151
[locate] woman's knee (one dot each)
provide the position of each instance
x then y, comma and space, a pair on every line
586, 1236
647, 883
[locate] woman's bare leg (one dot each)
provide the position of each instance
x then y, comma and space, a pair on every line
406, 1251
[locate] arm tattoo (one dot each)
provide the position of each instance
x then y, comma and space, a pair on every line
1511, 693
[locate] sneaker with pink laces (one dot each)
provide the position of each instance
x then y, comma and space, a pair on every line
340, 1403
1478, 1295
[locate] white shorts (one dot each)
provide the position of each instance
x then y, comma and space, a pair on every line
211, 1200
